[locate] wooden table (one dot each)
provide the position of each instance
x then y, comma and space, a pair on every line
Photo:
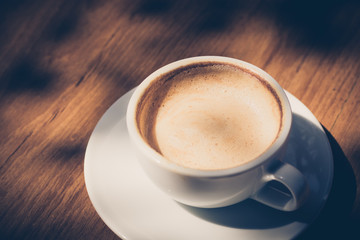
63, 63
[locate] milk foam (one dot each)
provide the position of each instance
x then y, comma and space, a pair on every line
215, 117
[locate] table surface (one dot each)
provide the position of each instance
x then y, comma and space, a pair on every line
64, 63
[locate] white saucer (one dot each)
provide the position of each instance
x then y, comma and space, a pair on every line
135, 209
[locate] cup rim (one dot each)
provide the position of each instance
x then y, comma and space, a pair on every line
162, 162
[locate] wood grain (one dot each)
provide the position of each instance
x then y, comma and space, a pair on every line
63, 63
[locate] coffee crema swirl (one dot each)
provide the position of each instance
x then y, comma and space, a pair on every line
210, 116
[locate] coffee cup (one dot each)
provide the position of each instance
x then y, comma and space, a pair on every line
212, 131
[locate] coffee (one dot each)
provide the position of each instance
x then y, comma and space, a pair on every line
209, 116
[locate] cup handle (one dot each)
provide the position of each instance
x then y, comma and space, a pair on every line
285, 189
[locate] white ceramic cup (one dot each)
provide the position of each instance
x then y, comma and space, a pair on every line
218, 188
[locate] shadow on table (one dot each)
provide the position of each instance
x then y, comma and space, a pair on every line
250, 214
324, 24
335, 221
25, 75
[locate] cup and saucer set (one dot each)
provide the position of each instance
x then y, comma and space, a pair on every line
133, 207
